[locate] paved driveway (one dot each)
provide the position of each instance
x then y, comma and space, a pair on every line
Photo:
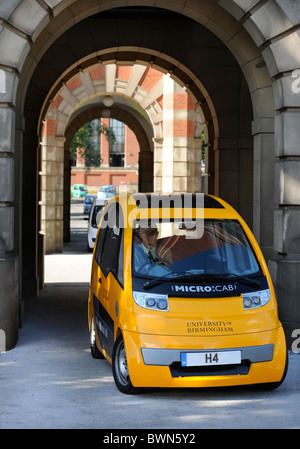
51, 381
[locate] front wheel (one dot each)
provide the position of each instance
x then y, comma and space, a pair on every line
120, 368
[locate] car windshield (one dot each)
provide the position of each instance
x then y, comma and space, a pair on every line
89, 199
107, 189
97, 215
219, 247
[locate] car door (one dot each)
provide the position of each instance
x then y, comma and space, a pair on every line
109, 257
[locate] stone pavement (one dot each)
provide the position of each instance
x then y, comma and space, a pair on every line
50, 380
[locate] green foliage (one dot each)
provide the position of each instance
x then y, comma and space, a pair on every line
86, 142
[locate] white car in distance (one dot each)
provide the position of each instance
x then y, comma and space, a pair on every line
94, 220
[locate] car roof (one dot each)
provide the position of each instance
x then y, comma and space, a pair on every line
162, 203
147, 200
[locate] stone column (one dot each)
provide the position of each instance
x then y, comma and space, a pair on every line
178, 156
285, 265
157, 164
104, 145
52, 192
145, 174
9, 214
263, 183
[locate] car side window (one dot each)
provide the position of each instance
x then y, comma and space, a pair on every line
109, 255
120, 275
100, 240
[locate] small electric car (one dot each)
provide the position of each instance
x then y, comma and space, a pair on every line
107, 191
88, 201
79, 190
180, 296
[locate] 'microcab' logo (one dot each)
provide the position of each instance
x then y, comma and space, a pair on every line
204, 288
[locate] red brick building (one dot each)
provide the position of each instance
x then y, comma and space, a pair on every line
119, 162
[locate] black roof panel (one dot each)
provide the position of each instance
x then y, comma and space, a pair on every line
175, 200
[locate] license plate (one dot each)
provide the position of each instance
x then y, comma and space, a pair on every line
210, 358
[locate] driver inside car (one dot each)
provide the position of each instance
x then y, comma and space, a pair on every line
147, 251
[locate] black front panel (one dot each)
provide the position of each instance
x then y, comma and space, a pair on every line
192, 289
105, 327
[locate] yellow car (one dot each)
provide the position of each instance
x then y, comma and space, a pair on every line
181, 296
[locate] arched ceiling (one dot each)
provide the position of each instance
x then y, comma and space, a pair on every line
129, 86
74, 51
249, 30
267, 22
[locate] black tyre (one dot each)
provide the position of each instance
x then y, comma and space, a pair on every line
96, 353
120, 369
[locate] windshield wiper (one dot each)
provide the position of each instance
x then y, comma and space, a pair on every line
243, 279
165, 278
208, 277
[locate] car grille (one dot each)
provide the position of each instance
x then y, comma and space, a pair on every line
222, 370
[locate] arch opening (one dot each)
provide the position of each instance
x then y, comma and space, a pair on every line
143, 98
224, 101
228, 76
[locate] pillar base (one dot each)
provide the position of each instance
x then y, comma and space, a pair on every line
9, 301
285, 273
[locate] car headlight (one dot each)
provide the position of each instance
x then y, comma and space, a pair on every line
151, 301
256, 299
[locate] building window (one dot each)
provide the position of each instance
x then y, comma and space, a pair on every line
116, 150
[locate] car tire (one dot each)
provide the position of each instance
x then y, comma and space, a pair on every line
96, 353
120, 369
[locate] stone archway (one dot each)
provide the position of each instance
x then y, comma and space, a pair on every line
55, 182
153, 105
267, 51
142, 102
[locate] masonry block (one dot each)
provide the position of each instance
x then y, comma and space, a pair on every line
6, 179
9, 318
287, 230
6, 229
287, 133
286, 91
8, 86
7, 126
287, 182
285, 273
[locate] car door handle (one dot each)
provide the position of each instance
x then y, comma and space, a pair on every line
100, 280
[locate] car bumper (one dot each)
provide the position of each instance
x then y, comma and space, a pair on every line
154, 361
